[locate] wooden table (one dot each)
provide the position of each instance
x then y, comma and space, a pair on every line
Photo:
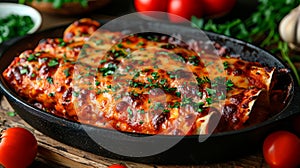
55, 154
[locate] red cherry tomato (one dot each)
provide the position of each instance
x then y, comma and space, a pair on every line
218, 8
18, 148
185, 9
117, 166
281, 149
151, 5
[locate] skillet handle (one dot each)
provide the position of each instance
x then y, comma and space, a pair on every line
293, 108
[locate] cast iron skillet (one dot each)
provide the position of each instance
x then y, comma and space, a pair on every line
218, 147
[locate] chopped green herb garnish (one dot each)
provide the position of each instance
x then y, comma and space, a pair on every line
200, 107
209, 100
31, 57
120, 45
142, 111
170, 89
53, 62
222, 96
67, 72
186, 101
203, 80
166, 111
163, 81
176, 105
99, 42
155, 75
194, 60
51, 94
49, 79
130, 112
97, 83
229, 84
102, 61
136, 75
11, 113
172, 76
109, 70
75, 94
62, 42
24, 71
211, 92
149, 80
140, 43
33, 75
225, 64
200, 94
200, 110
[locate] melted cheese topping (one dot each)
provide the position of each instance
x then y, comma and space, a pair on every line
137, 83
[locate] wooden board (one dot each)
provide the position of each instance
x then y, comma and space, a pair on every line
53, 154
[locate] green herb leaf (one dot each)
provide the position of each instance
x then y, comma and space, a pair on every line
50, 80
67, 72
11, 113
53, 62
24, 71
31, 57
229, 84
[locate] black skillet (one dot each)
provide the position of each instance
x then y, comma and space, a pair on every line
218, 147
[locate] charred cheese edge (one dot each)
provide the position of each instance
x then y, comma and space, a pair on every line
136, 83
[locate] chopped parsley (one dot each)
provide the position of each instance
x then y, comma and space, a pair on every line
209, 100
33, 75
175, 105
166, 111
163, 81
155, 75
11, 113
130, 112
24, 71
229, 84
49, 80
67, 72
61, 42
31, 57
225, 64
97, 83
53, 62
109, 70
211, 92
142, 111
75, 94
102, 61
194, 60
203, 80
